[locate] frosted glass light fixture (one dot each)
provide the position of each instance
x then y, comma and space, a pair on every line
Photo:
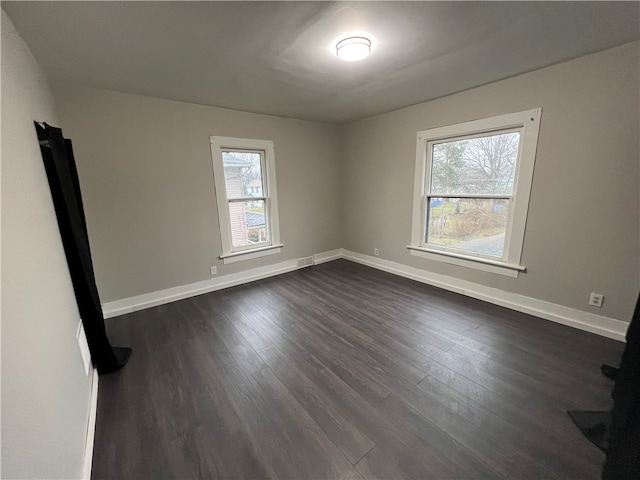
352, 49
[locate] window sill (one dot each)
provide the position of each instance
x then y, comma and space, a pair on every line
478, 263
250, 254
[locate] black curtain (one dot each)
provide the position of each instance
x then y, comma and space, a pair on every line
623, 452
60, 166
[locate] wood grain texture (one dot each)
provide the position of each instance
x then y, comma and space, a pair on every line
343, 371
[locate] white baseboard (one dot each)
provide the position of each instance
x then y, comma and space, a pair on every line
161, 297
148, 300
605, 326
91, 427
323, 257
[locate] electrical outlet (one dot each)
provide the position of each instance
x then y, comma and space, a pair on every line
596, 299
375, 252
214, 270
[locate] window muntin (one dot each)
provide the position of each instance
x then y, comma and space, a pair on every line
472, 189
244, 174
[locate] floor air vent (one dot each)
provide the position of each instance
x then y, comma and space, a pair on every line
305, 262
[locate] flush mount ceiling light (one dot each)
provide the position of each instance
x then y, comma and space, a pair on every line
352, 49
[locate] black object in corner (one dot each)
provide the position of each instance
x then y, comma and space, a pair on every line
617, 432
60, 166
623, 451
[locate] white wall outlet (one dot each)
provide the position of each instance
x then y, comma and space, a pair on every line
213, 270
596, 299
375, 252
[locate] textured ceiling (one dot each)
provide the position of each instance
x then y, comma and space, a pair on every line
277, 57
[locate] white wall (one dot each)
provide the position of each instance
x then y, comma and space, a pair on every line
147, 182
45, 392
582, 232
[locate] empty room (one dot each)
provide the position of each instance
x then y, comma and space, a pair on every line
320, 240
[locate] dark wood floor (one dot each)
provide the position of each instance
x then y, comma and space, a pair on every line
343, 371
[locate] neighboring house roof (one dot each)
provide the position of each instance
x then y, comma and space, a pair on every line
254, 219
230, 160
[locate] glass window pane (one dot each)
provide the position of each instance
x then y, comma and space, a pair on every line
243, 174
484, 165
248, 223
471, 225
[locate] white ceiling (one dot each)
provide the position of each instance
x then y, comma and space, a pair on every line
277, 57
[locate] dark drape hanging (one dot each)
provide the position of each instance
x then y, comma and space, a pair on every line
617, 431
60, 166
623, 452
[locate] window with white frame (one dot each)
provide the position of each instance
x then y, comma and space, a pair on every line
245, 181
471, 192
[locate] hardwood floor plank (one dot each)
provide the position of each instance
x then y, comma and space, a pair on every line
378, 465
369, 419
387, 316
366, 349
480, 459
504, 423
337, 357
295, 446
221, 445
343, 371
366, 418
338, 427
239, 349
553, 381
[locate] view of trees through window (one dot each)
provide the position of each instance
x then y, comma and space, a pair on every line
471, 184
244, 182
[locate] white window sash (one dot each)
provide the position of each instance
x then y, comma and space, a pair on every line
269, 190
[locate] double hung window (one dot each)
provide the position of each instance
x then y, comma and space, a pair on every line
244, 174
472, 187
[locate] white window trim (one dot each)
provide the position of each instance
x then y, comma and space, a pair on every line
230, 255
528, 122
